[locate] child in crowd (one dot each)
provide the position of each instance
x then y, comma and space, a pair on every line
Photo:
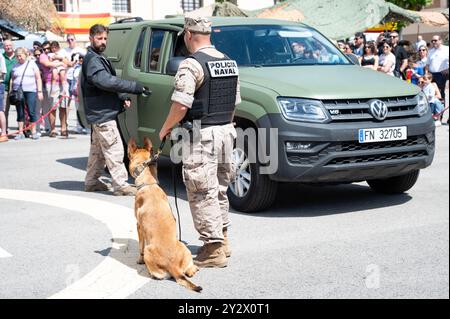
432, 92
417, 70
58, 55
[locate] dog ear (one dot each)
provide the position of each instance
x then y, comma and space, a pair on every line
131, 146
148, 144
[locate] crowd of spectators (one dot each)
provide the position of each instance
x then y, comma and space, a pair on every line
423, 64
47, 75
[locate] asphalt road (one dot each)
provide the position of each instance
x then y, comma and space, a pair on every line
316, 242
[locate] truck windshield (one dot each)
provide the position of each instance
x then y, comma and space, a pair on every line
273, 45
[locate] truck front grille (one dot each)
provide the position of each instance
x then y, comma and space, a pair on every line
343, 153
376, 158
354, 146
358, 109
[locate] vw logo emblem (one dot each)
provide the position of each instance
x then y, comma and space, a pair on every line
378, 109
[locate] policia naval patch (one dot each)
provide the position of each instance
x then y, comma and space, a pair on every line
221, 69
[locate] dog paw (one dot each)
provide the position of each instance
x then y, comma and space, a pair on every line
192, 271
140, 261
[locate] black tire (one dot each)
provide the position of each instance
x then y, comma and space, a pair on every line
394, 185
261, 193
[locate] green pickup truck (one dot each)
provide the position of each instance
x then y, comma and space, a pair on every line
335, 122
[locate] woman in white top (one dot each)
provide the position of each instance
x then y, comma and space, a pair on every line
423, 56
26, 74
387, 59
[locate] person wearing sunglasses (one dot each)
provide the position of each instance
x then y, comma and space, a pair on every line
401, 56
360, 41
422, 56
370, 57
438, 63
387, 59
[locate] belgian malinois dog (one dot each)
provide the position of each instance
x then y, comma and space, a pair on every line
159, 247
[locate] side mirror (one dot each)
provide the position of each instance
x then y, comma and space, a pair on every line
173, 64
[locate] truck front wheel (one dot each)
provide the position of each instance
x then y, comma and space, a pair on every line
394, 185
250, 191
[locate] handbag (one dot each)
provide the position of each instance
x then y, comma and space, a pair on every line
16, 97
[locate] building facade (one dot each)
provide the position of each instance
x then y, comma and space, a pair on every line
76, 16
411, 32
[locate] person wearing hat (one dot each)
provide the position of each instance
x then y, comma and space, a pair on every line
205, 96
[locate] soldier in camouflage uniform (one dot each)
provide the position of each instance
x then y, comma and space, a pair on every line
103, 100
207, 90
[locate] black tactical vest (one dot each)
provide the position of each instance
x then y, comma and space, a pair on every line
215, 100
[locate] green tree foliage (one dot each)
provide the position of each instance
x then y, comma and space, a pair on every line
415, 5
33, 15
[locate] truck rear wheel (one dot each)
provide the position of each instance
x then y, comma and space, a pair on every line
394, 185
250, 191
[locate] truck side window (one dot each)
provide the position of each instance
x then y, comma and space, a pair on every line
156, 41
139, 49
179, 46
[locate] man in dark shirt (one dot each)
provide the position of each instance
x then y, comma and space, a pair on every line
401, 56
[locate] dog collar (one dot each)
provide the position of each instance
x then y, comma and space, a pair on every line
139, 187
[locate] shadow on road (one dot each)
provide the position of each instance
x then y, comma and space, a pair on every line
68, 185
293, 200
77, 162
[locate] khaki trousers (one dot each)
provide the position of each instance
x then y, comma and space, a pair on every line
106, 148
207, 172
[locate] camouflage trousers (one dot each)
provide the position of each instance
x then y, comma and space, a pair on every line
208, 170
106, 148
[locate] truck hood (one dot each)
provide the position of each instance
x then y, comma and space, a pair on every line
326, 82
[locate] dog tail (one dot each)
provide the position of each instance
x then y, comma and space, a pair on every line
184, 281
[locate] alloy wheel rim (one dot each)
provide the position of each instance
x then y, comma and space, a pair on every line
241, 184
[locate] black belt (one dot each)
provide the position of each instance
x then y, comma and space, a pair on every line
189, 125
215, 124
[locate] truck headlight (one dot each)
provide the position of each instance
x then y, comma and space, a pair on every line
423, 106
303, 110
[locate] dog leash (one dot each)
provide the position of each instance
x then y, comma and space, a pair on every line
154, 160
175, 192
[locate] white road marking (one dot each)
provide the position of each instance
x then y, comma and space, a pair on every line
4, 253
118, 275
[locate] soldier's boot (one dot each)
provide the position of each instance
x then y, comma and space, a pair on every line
226, 243
211, 255
126, 191
97, 187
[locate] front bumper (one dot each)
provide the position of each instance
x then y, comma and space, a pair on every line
335, 155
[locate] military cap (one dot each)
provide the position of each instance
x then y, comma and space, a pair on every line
197, 24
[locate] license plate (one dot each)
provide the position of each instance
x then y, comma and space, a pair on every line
385, 134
